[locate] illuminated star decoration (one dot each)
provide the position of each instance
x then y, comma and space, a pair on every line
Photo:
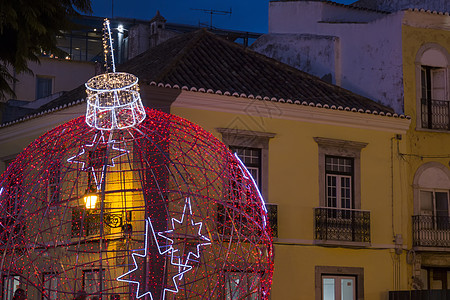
83, 157
175, 251
185, 234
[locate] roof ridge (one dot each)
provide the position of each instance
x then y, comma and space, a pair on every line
183, 51
290, 68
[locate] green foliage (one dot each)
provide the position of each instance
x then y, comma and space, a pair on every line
28, 27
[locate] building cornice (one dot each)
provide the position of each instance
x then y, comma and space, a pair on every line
40, 124
294, 112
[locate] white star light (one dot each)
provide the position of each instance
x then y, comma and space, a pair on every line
176, 252
175, 260
81, 159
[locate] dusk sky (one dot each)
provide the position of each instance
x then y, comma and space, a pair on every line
247, 15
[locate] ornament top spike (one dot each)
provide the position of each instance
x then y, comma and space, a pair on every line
108, 45
113, 99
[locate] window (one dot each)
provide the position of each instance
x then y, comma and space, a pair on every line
12, 229
435, 204
432, 69
339, 178
10, 284
339, 173
251, 157
253, 149
230, 216
92, 283
242, 285
435, 278
431, 219
50, 286
339, 283
435, 105
338, 287
44, 86
339, 216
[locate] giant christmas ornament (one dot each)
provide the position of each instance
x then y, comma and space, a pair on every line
132, 203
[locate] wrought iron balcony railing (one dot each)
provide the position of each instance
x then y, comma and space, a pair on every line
435, 114
334, 224
419, 295
431, 231
272, 218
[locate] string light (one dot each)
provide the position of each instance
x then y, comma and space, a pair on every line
152, 172
48, 230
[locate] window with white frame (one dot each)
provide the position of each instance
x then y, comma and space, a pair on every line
338, 287
253, 149
339, 173
431, 219
242, 285
339, 178
432, 64
10, 284
431, 191
435, 203
50, 286
339, 283
251, 157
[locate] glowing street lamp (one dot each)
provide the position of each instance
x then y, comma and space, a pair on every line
90, 197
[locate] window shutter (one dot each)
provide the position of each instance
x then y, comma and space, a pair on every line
438, 84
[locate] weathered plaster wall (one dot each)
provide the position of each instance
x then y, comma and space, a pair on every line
314, 54
369, 54
66, 75
395, 5
138, 40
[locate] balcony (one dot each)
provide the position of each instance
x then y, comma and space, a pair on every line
431, 231
349, 225
435, 114
272, 218
419, 295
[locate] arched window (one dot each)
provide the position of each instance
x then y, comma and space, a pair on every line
431, 205
433, 106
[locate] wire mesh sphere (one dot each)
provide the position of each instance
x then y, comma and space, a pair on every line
158, 211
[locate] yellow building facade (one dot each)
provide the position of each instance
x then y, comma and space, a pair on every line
300, 137
326, 160
425, 162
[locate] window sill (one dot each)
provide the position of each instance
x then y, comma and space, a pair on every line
431, 249
341, 244
432, 130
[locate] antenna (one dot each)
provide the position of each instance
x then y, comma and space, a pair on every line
212, 12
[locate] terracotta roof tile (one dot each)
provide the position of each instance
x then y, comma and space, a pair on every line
203, 60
